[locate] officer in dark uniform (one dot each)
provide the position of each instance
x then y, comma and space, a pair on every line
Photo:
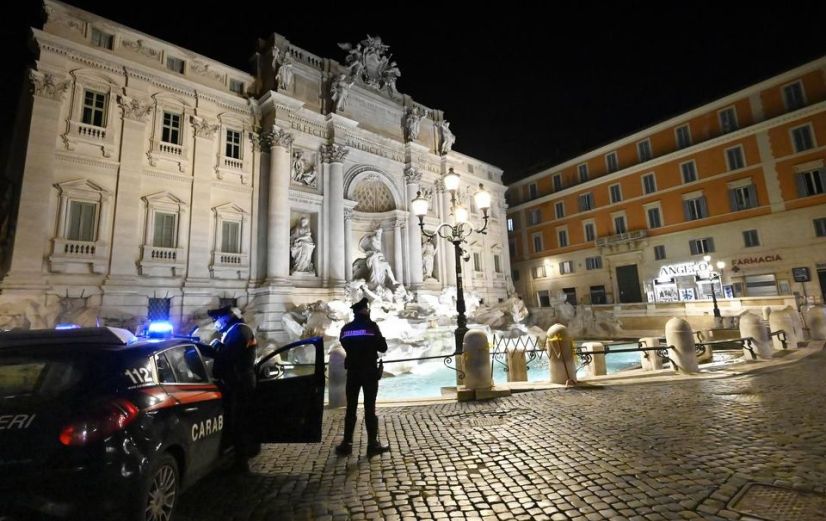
362, 340
234, 370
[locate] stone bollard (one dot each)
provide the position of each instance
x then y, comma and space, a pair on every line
650, 360
816, 320
560, 349
782, 319
752, 326
797, 322
679, 335
767, 312
517, 366
337, 377
597, 365
476, 360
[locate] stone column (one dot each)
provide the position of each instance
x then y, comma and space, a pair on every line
414, 235
278, 212
348, 244
398, 256
448, 254
334, 155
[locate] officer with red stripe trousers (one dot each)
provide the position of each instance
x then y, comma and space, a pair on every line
362, 341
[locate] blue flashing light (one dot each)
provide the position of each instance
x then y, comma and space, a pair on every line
161, 329
66, 325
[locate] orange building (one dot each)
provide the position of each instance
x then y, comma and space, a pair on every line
740, 180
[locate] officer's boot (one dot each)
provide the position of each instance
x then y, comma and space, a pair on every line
345, 448
374, 446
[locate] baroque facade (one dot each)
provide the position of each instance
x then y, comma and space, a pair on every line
155, 180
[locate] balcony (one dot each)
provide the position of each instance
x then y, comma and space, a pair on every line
628, 241
171, 149
229, 265
92, 138
234, 164
69, 256
162, 262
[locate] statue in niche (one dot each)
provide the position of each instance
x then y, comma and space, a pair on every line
284, 76
428, 255
373, 268
339, 90
303, 171
302, 246
448, 138
412, 121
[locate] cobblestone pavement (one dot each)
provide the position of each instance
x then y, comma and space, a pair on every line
642, 452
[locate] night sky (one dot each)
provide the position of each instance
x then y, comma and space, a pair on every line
522, 89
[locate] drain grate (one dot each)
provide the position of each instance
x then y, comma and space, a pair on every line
779, 504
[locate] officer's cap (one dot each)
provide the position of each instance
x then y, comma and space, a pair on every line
215, 314
361, 304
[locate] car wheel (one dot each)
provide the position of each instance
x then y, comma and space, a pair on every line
159, 494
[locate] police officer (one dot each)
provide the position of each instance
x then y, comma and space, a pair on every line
234, 370
362, 341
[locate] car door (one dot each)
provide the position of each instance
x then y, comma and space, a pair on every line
289, 398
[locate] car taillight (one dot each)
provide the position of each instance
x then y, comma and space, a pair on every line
99, 422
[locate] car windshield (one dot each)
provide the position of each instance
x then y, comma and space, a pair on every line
44, 375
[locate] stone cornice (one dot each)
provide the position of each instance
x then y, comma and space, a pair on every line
169, 176
87, 161
300, 196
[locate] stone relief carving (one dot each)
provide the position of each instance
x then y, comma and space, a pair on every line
202, 127
47, 85
373, 268
412, 122
134, 108
428, 256
204, 69
302, 246
366, 62
339, 89
447, 137
139, 47
334, 153
412, 175
304, 171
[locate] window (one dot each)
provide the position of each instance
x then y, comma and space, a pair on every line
497, 264
728, 120
477, 261
586, 202
557, 181
597, 294
102, 39
659, 252
82, 222
94, 108
583, 172
654, 219
165, 228
562, 236
616, 193
227, 301
236, 86
802, 138
734, 158
701, 246
820, 227
750, 238
537, 242
566, 267
175, 64
534, 216
158, 308
611, 162
543, 298
683, 136
570, 295
811, 182
171, 130
649, 183
689, 171
593, 263
560, 209
695, 208
538, 272
532, 191
184, 363
590, 232
233, 144
743, 197
230, 237
793, 96
619, 224
644, 150
511, 227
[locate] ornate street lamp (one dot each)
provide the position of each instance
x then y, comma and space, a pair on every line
715, 276
456, 233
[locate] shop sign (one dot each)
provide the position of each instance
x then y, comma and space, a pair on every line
801, 274
757, 259
669, 271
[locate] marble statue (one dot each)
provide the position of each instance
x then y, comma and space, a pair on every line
448, 138
302, 246
339, 90
412, 122
367, 62
428, 254
374, 268
284, 76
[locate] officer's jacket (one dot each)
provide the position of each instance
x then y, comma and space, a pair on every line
362, 340
235, 356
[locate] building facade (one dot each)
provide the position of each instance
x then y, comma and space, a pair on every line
740, 180
156, 181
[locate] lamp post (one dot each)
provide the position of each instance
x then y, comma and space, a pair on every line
715, 276
456, 233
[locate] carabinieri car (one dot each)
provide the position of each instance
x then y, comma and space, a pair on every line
96, 420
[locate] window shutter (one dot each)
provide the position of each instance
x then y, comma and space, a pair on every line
753, 196
801, 184
710, 244
687, 210
732, 198
693, 247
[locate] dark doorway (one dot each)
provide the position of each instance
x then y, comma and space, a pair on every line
821, 276
597, 294
628, 283
570, 295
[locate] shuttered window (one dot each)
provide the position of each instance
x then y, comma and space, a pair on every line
164, 236
82, 220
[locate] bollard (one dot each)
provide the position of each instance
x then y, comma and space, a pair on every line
337, 377
476, 360
767, 311
797, 323
560, 349
782, 319
680, 337
597, 365
650, 360
816, 320
752, 326
517, 366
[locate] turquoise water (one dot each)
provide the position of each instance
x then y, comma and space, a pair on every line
427, 378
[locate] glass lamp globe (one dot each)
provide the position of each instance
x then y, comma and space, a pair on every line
451, 180
482, 198
460, 213
419, 205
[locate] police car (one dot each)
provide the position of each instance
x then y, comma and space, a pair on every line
96, 420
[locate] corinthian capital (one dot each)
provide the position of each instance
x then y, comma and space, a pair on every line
46, 85
202, 127
281, 138
334, 153
134, 109
412, 175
